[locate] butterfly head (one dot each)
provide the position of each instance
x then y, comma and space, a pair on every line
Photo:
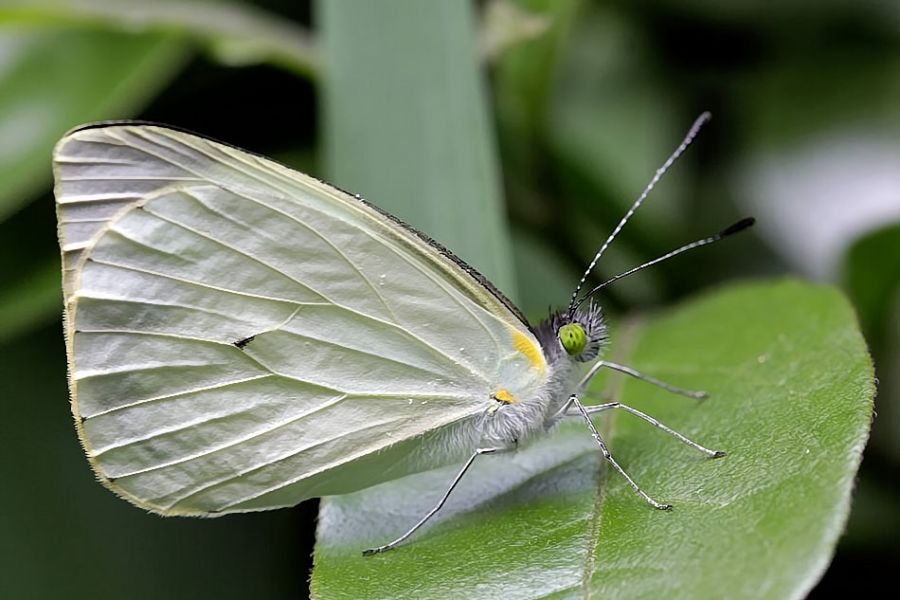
579, 335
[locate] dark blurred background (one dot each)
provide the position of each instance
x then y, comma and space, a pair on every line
584, 100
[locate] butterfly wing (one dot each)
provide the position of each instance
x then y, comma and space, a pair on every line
242, 336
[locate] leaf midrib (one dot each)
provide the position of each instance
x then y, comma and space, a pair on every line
623, 348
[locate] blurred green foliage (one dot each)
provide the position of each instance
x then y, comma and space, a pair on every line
583, 100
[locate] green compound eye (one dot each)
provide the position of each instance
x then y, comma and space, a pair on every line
573, 338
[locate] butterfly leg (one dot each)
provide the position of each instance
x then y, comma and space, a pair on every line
592, 410
600, 364
437, 506
573, 400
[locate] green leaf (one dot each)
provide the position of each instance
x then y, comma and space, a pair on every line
406, 122
872, 279
35, 299
872, 274
506, 24
236, 33
613, 123
83, 76
523, 78
791, 389
543, 277
776, 100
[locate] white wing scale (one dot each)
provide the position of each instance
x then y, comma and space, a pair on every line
364, 339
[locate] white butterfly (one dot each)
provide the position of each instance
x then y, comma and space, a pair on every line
242, 336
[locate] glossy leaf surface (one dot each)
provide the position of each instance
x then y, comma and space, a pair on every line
791, 398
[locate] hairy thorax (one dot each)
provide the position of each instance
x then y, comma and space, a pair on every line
508, 425
508, 421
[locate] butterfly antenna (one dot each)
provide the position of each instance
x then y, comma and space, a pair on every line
691, 134
731, 230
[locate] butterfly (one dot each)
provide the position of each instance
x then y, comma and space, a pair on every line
241, 336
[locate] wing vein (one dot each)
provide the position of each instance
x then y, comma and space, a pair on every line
410, 334
343, 460
201, 283
268, 463
237, 250
268, 183
200, 309
373, 354
337, 250
173, 396
231, 443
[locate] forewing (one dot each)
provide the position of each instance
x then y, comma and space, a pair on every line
242, 336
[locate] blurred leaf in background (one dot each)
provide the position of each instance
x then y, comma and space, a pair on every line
575, 104
872, 277
84, 76
406, 120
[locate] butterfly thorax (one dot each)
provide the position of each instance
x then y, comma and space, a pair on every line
567, 340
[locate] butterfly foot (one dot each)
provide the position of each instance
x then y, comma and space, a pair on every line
719, 454
378, 550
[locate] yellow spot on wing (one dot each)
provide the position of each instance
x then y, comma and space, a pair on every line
504, 396
531, 351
